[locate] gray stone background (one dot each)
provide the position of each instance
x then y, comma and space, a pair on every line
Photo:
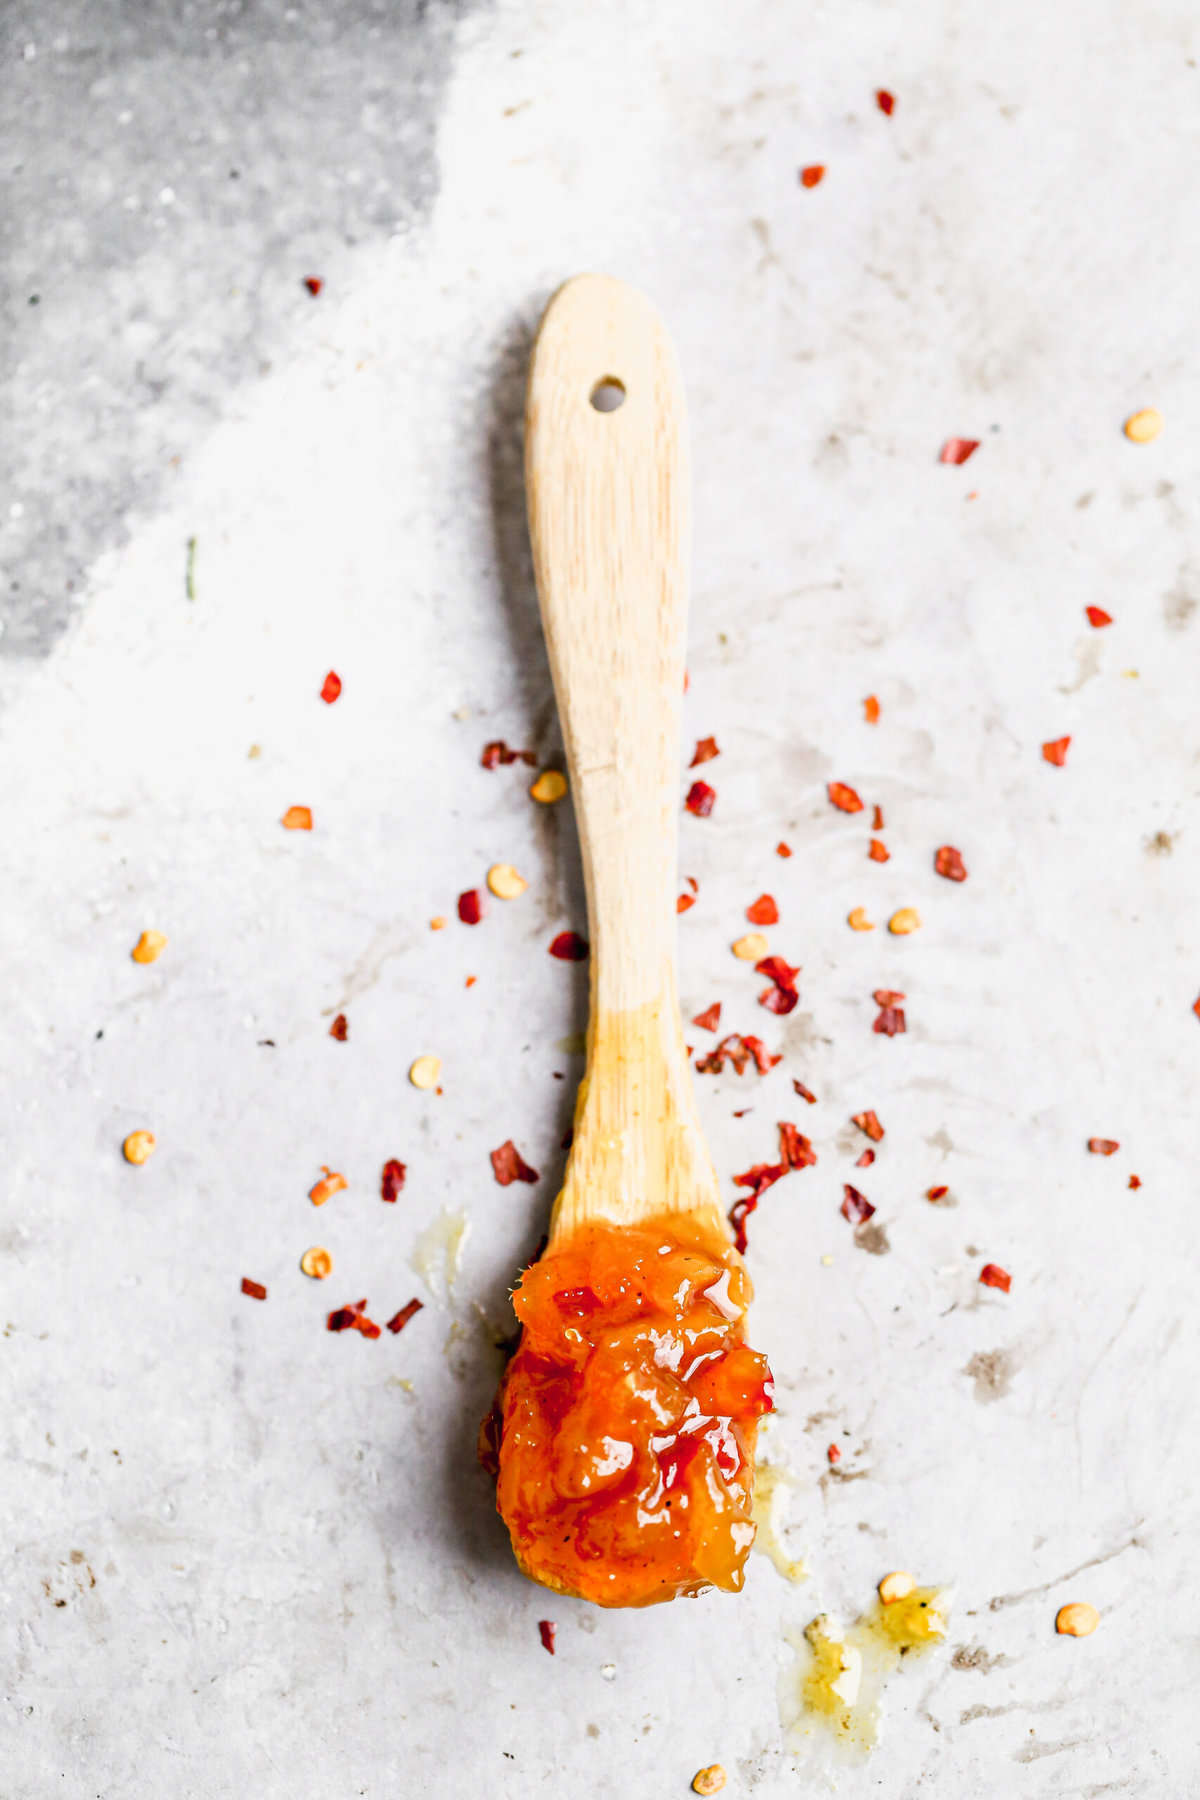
242, 1555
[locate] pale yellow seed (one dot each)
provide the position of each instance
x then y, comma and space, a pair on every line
438, 924
425, 1071
254, 752
550, 786
751, 948
906, 920
149, 947
708, 1781
504, 882
827, 1262
139, 1146
1079, 1619
896, 1586
857, 920
1144, 426
316, 1262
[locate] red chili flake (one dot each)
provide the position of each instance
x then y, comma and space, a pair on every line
758, 1180
866, 1159
738, 1050
741, 1111
868, 1123
1196, 1006
855, 1207
804, 1093
498, 752
782, 849
834, 1455
684, 901
778, 1000
710, 1018
844, 798
470, 906
509, 1166
1097, 616
392, 1180
331, 688
470, 981
795, 1149
255, 1289
340, 1028
706, 749
948, 862
692, 883
568, 946
297, 818
1056, 751
1135, 1181
871, 710
936, 1193
1103, 1146
700, 799
877, 818
891, 1020
885, 102
346, 1318
878, 852
812, 174
399, 1320
783, 996
763, 911
763, 1060
957, 450
314, 284
546, 1630
992, 1275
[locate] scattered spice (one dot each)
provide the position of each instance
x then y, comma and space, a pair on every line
782, 997
1135, 1181
149, 947
297, 818
843, 797
331, 1183
255, 1289
865, 1160
763, 911
798, 1087
795, 1149
896, 1586
508, 1165
710, 1018
470, 906
936, 1193
957, 450
782, 849
905, 921
391, 1182
855, 1207
331, 687
1056, 751
833, 1455
1097, 617
885, 102
708, 1781
139, 1146
1143, 427
758, 1180
1078, 1618
568, 946
857, 919
546, 1631
340, 1029
751, 948
1103, 1146
399, 1320
891, 1021
498, 752
353, 1318
314, 284
871, 710
550, 786
692, 883
867, 1122
877, 818
438, 924
684, 901
878, 852
316, 1262
700, 799
738, 1049
992, 1275
424, 1072
812, 174
504, 882
706, 749
949, 864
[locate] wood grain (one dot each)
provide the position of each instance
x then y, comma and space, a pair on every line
608, 517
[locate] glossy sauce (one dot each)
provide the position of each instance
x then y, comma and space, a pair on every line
628, 1414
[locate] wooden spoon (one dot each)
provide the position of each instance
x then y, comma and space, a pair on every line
608, 517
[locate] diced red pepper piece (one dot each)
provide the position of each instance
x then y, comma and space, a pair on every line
509, 1165
782, 849
1103, 1146
866, 1159
331, 687
314, 284
843, 797
885, 102
867, 1122
957, 450
878, 852
949, 863
833, 1455
470, 906
710, 1018
1097, 616
392, 1180
399, 1320
568, 946
936, 1193
546, 1631
345, 1318
812, 174
1056, 751
700, 799
871, 710
855, 1207
340, 1029
255, 1289
992, 1275
684, 901
706, 749
763, 911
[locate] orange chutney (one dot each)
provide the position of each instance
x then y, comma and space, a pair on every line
627, 1417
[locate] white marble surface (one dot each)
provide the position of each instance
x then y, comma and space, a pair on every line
239, 1554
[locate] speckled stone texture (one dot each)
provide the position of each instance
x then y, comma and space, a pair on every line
241, 1555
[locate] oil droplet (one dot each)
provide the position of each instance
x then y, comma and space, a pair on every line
771, 1488
438, 1251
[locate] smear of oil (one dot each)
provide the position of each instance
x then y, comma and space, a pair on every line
835, 1688
437, 1253
772, 1485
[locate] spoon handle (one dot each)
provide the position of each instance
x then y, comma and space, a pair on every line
608, 518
